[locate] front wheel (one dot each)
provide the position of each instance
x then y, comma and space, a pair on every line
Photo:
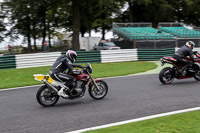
98, 93
166, 76
46, 97
197, 75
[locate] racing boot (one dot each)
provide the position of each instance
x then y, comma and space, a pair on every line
62, 93
182, 72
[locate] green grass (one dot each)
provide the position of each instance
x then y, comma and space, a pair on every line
22, 77
180, 123
121, 68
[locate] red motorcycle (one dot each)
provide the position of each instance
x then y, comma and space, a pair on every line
168, 74
47, 94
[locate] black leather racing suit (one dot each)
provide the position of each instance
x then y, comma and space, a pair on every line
181, 54
57, 71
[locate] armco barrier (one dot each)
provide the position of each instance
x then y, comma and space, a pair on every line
154, 54
119, 55
103, 56
88, 57
7, 62
35, 60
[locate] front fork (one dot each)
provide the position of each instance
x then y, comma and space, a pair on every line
94, 82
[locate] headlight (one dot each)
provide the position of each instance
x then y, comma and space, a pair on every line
89, 67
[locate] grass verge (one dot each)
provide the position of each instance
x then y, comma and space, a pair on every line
180, 123
23, 77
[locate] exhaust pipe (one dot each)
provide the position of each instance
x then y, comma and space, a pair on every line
50, 86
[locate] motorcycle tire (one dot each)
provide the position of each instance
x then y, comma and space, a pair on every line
165, 76
46, 97
101, 93
197, 75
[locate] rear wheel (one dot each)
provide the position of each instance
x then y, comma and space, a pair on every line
98, 93
166, 76
197, 75
46, 97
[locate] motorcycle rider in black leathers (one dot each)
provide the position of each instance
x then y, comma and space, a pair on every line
181, 54
58, 71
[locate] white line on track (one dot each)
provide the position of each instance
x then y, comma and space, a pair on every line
8, 89
135, 120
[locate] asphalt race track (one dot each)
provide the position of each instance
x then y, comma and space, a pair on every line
128, 98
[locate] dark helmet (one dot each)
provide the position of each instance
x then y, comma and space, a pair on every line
191, 44
71, 55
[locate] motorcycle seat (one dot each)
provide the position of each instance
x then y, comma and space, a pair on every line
169, 58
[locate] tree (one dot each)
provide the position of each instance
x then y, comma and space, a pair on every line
187, 11
32, 19
150, 11
75, 24
2, 25
106, 13
87, 13
193, 14
48, 14
41, 18
20, 13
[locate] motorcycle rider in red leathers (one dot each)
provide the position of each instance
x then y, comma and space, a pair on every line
181, 55
58, 71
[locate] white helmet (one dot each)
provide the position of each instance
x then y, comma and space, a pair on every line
71, 55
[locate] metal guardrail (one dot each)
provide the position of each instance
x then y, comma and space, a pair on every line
7, 62
152, 54
35, 60
119, 55
88, 57
103, 56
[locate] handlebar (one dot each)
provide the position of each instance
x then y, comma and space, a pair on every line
87, 68
194, 52
197, 54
